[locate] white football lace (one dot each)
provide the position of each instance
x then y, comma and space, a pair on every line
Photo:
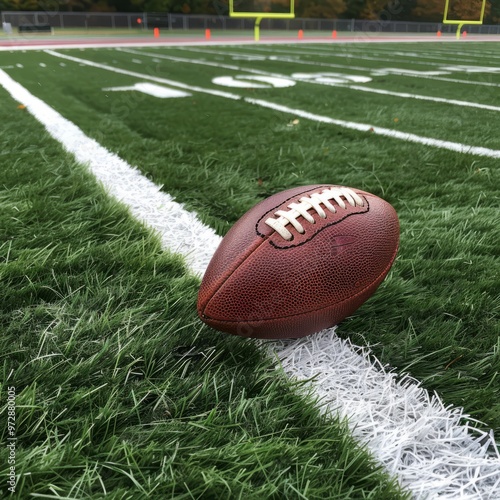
315, 202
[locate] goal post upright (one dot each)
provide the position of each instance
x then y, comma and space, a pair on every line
258, 16
460, 22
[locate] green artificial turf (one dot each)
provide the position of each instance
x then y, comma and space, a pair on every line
436, 316
120, 391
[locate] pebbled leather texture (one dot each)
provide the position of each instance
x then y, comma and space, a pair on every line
260, 285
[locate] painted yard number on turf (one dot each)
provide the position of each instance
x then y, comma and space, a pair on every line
265, 82
151, 89
334, 78
253, 82
245, 82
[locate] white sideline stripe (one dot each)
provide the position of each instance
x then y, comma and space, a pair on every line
180, 231
106, 44
408, 430
348, 86
362, 127
425, 444
235, 42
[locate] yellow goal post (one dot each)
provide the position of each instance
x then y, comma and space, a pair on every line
261, 15
460, 22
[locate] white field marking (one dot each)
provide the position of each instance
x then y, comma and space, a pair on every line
181, 231
214, 64
151, 89
339, 55
405, 95
433, 450
108, 45
428, 446
320, 51
331, 77
429, 75
437, 52
203, 62
335, 80
362, 127
203, 50
395, 71
291, 58
480, 55
426, 55
354, 52
443, 68
396, 55
253, 82
249, 58
455, 80
442, 54
164, 81
464, 68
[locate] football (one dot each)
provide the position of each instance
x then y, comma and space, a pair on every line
300, 261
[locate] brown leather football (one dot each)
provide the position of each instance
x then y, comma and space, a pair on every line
298, 262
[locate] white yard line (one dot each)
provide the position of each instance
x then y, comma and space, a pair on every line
284, 58
213, 64
430, 448
362, 127
442, 54
394, 134
346, 66
164, 81
404, 95
354, 53
393, 56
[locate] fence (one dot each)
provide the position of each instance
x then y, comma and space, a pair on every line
113, 20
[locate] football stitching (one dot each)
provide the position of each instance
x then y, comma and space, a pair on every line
299, 211
203, 307
315, 188
313, 235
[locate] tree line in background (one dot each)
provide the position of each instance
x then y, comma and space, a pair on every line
384, 10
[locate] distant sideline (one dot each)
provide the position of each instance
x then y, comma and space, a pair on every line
138, 21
